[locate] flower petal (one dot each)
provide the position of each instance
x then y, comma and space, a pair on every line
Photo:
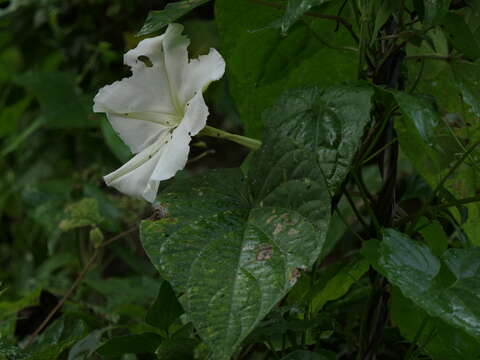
174, 155
145, 90
196, 115
137, 134
134, 177
201, 72
150, 94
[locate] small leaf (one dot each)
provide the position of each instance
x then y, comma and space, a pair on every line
467, 78
95, 236
420, 112
387, 7
339, 284
85, 347
145, 343
416, 132
58, 337
434, 236
166, 308
82, 213
460, 36
156, 20
177, 349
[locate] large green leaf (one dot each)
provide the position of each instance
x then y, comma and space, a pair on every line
262, 63
156, 20
234, 246
447, 289
327, 122
433, 336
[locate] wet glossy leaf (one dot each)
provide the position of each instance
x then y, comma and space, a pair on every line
329, 123
420, 112
157, 20
433, 336
447, 289
257, 78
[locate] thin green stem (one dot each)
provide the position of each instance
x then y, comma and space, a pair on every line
419, 76
239, 139
379, 133
379, 151
433, 57
348, 226
427, 209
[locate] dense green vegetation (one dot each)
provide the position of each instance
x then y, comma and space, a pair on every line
350, 232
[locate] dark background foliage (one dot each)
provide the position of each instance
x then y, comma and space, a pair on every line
75, 281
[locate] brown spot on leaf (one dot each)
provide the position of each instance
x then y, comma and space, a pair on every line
295, 274
265, 253
270, 219
292, 232
278, 229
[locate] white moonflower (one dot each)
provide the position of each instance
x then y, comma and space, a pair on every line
158, 109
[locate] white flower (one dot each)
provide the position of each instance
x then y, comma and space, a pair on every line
158, 109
